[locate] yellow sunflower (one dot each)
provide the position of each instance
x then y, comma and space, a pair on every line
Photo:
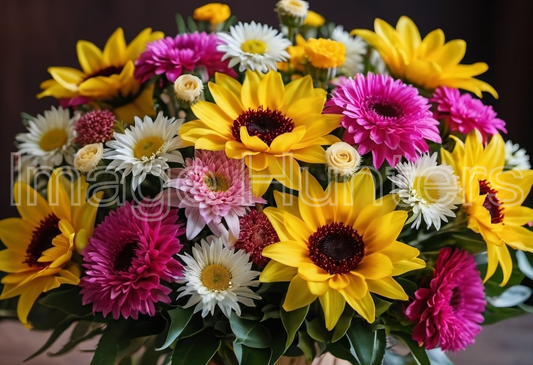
266, 123
106, 76
427, 63
40, 244
493, 198
339, 246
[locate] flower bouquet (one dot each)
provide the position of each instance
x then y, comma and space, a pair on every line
239, 194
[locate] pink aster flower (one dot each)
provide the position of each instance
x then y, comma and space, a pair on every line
256, 232
212, 187
384, 116
194, 52
95, 127
464, 113
448, 312
130, 254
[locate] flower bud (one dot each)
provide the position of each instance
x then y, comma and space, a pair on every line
292, 13
342, 160
189, 89
88, 157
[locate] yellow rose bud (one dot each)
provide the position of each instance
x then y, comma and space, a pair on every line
88, 157
342, 159
214, 13
188, 88
325, 53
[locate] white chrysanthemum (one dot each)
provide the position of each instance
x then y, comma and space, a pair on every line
254, 46
431, 190
49, 139
296, 8
355, 50
216, 275
515, 157
145, 148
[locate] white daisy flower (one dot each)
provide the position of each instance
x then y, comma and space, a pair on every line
49, 139
355, 51
431, 191
216, 275
515, 157
377, 63
145, 148
254, 46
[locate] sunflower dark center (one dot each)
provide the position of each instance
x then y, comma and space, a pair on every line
336, 248
385, 109
265, 124
125, 257
491, 202
456, 299
106, 72
41, 240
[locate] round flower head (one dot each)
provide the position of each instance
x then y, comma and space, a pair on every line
384, 116
254, 46
314, 19
325, 53
88, 157
49, 139
292, 13
256, 233
448, 311
129, 255
212, 187
464, 113
430, 190
95, 127
342, 159
355, 51
190, 52
515, 157
145, 148
217, 276
214, 13
188, 88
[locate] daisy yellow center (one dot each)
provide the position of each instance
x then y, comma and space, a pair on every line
216, 278
53, 139
41, 240
254, 46
336, 248
216, 182
491, 202
148, 148
426, 189
265, 124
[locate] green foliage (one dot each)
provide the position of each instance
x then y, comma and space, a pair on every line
344, 323
179, 318
197, 350
68, 301
250, 333
111, 341
58, 330
292, 321
366, 345
419, 353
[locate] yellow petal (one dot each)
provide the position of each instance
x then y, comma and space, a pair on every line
253, 143
260, 181
388, 288
67, 77
506, 263
298, 295
58, 198
383, 231
213, 117
256, 162
289, 253
271, 91
434, 40
115, 49
448, 55
311, 272
311, 154
409, 35
299, 230
249, 93
275, 271
29, 296
287, 203
16, 234
379, 208
31, 206
286, 170
364, 306
298, 89
317, 287
277, 219
238, 150
90, 57
210, 143
339, 281
286, 141
314, 204
333, 305
226, 100
374, 266
138, 44
423, 73
229, 83
12, 262
514, 216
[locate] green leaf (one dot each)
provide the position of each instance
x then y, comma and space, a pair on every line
247, 355
179, 318
270, 311
292, 321
408, 286
317, 329
250, 333
419, 353
367, 345
60, 328
108, 346
197, 350
68, 301
232, 20
278, 346
307, 345
341, 350
75, 341
381, 305
493, 315
192, 25
343, 324
182, 28
195, 325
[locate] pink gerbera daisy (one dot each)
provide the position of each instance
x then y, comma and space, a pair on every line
129, 255
448, 312
384, 116
212, 187
464, 113
194, 52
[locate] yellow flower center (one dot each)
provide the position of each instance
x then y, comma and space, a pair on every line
216, 278
216, 182
254, 46
148, 148
53, 139
426, 189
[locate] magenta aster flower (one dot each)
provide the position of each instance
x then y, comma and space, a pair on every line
448, 312
464, 113
129, 255
194, 52
95, 127
384, 116
256, 232
212, 187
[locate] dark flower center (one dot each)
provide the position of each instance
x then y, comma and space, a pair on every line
124, 257
385, 109
106, 72
336, 248
265, 124
491, 202
41, 240
456, 299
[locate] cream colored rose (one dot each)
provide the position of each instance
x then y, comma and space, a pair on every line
342, 159
88, 157
188, 88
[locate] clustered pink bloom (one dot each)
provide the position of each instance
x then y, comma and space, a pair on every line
95, 127
384, 116
192, 52
464, 113
256, 232
129, 255
211, 187
447, 313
